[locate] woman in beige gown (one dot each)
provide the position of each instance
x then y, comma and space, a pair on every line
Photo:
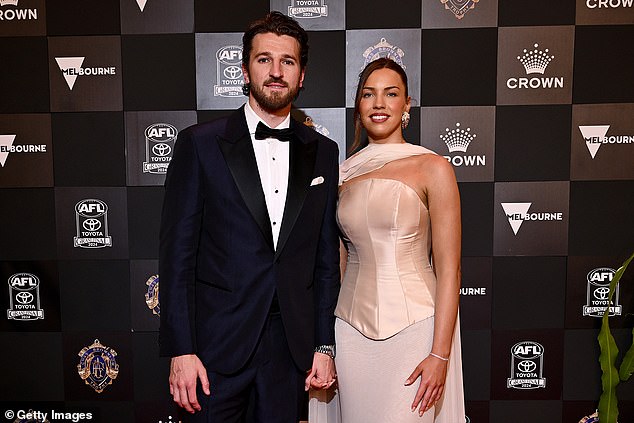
397, 333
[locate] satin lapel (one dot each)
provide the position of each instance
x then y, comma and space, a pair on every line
240, 159
301, 165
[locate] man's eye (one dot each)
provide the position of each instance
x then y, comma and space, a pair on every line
263, 59
366, 95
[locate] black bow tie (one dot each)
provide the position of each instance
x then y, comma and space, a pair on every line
263, 132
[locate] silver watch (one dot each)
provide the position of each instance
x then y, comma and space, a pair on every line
329, 350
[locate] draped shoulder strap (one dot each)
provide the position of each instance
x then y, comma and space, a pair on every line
375, 156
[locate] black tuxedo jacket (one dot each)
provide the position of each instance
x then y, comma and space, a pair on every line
218, 268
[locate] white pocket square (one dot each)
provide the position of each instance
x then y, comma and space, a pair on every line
318, 180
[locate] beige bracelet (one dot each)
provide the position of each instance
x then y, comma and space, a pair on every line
439, 357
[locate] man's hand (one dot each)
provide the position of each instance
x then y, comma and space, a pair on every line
323, 374
184, 372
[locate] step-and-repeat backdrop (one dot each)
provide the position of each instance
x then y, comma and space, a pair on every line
531, 101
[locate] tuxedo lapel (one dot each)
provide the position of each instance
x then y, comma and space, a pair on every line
237, 150
303, 152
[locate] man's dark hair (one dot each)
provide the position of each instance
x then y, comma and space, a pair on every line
278, 24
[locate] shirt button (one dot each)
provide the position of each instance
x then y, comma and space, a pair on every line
274, 223
277, 190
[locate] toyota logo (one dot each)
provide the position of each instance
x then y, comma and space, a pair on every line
526, 366
232, 72
601, 293
24, 297
91, 224
161, 149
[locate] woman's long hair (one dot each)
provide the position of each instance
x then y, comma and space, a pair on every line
381, 63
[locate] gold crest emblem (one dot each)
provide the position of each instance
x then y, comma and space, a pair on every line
98, 366
152, 295
459, 7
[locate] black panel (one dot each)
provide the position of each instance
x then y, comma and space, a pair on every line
150, 368
325, 80
362, 14
82, 17
604, 59
529, 292
144, 218
536, 12
229, 17
89, 149
22, 354
459, 67
29, 232
601, 218
25, 71
532, 143
90, 291
477, 218
159, 72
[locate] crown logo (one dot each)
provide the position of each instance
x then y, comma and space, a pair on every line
9, 2
457, 139
535, 61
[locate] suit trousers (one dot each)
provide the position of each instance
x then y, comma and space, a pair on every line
269, 389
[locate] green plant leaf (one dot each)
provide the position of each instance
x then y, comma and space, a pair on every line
627, 365
608, 407
608, 404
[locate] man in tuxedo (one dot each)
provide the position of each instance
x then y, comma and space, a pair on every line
249, 249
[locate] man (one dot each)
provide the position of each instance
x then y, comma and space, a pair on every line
249, 258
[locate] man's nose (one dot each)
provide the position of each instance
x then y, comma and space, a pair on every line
276, 69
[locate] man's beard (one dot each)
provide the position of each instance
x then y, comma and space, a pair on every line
276, 100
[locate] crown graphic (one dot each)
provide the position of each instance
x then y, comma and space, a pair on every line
457, 139
9, 2
535, 61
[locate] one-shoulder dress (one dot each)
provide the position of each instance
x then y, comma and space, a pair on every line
385, 312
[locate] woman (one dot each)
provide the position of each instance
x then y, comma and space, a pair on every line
398, 346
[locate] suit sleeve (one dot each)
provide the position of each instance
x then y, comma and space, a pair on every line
178, 244
327, 275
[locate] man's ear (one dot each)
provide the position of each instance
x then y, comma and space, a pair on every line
245, 74
301, 78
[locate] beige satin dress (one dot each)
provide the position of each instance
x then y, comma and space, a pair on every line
385, 311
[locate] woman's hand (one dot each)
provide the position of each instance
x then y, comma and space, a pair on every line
432, 372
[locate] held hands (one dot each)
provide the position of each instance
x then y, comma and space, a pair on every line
323, 374
432, 372
184, 372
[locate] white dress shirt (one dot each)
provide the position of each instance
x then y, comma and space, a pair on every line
272, 157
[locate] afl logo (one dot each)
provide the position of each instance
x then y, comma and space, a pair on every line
228, 72
527, 350
24, 301
230, 55
161, 132
91, 208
